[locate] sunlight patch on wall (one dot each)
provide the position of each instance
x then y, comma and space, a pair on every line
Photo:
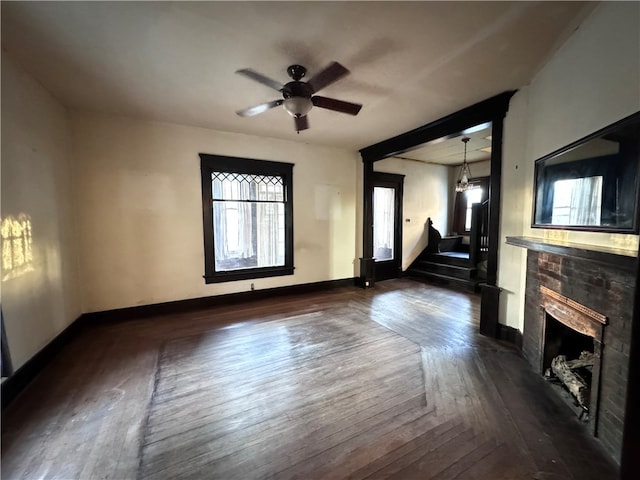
17, 254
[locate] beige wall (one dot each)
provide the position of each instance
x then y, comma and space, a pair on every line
425, 195
135, 194
592, 81
40, 297
140, 209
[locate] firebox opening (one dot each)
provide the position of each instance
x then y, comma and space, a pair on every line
568, 359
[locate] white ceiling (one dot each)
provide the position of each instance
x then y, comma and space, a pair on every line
411, 62
449, 150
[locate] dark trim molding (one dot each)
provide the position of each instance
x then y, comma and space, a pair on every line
510, 334
489, 309
367, 213
13, 385
495, 181
608, 255
17, 382
180, 306
485, 111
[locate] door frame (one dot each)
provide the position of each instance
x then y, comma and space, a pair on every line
492, 110
390, 268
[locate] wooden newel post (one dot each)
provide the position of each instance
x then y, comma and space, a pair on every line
490, 295
367, 272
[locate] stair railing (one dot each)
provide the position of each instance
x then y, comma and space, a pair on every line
479, 235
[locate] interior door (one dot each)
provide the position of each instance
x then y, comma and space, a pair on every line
387, 225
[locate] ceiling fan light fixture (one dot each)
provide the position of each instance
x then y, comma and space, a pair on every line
299, 97
297, 106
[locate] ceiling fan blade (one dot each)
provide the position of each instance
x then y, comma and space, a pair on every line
302, 123
263, 107
258, 77
333, 72
336, 105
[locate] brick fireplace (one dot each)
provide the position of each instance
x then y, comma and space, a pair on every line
587, 296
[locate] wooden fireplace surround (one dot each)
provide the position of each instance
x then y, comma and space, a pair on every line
581, 319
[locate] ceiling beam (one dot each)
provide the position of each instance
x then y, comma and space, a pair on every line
485, 111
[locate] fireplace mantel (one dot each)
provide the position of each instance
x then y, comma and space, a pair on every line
620, 258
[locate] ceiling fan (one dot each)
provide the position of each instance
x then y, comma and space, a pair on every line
299, 97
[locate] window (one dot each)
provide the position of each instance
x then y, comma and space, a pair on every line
478, 192
473, 195
577, 201
247, 218
384, 209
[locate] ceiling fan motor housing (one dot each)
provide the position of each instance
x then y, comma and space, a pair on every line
296, 71
297, 89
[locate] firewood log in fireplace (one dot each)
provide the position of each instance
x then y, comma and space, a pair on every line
565, 370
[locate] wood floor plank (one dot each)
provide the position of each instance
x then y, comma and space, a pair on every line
378, 355
433, 462
502, 463
389, 382
412, 453
320, 456
477, 455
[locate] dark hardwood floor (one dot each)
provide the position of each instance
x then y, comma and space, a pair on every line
391, 382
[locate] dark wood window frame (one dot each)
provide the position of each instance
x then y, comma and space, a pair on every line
392, 268
217, 163
460, 205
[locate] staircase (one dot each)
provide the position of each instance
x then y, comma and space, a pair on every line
448, 262
447, 268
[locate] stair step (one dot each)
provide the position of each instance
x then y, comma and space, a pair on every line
470, 285
444, 259
455, 271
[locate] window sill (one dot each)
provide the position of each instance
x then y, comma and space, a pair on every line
248, 274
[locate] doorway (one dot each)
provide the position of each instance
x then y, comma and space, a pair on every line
387, 225
491, 110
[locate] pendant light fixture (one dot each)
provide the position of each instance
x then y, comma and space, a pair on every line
465, 174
